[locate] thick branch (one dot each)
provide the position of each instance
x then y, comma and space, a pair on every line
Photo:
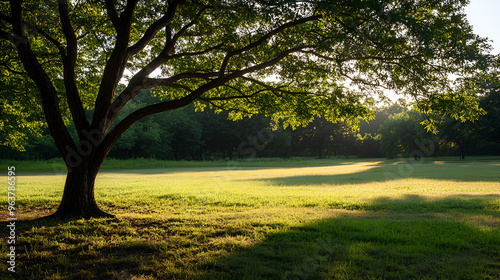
113, 15
132, 90
136, 85
110, 139
137, 82
128, 12
47, 90
69, 61
68, 32
114, 69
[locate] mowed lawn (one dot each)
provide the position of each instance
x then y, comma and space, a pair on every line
298, 219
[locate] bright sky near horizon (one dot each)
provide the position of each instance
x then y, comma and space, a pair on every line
484, 16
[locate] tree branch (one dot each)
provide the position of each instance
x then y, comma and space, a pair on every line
179, 55
68, 31
164, 81
137, 82
109, 140
134, 88
113, 71
128, 12
69, 62
156, 82
6, 65
184, 29
269, 63
47, 90
275, 90
226, 98
113, 15
140, 81
136, 85
177, 85
263, 39
373, 57
38, 30
153, 29
5, 35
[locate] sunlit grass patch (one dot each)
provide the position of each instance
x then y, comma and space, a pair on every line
337, 221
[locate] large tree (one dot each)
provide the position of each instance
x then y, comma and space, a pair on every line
292, 60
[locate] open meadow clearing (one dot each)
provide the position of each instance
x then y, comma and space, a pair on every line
117, 119
297, 219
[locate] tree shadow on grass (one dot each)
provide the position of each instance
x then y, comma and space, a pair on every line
381, 172
378, 245
47, 248
364, 248
383, 244
419, 204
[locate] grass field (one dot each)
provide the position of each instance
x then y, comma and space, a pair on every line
261, 219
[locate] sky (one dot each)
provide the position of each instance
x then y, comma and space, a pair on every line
484, 17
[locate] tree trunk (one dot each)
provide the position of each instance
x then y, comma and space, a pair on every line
461, 146
78, 198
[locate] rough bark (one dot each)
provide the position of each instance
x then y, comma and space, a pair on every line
78, 198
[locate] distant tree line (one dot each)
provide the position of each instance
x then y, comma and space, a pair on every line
396, 131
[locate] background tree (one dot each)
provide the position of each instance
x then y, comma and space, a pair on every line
489, 124
369, 146
455, 133
327, 56
381, 114
322, 137
400, 132
279, 144
368, 140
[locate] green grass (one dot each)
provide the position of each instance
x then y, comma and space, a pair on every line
56, 166
266, 219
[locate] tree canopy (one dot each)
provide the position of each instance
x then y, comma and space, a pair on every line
290, 60
324, 57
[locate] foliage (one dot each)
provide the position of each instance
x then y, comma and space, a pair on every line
489, 125
321, 136
223, 51
381, 114
404, 133
369, 145
401, 133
